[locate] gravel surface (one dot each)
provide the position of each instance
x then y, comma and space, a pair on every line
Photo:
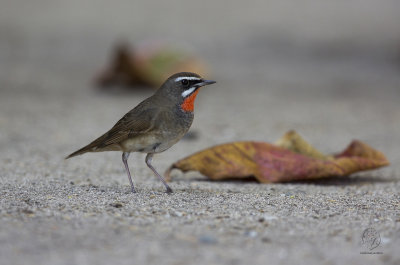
276, 70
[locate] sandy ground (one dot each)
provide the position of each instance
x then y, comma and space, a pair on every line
317, 68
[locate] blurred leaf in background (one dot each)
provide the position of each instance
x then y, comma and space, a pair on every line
147, 66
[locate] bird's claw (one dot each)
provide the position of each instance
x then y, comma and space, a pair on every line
169, 190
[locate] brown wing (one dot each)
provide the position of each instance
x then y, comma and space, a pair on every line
136, 122
133, 123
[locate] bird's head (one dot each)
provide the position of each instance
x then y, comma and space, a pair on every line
182, 88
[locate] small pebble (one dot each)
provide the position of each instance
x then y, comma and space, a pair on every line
116, 205
178, 214
266, 240
251, 233
207, 239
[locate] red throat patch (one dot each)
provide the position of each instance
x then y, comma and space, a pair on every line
188, 103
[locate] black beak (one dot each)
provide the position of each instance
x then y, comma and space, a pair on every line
205, 83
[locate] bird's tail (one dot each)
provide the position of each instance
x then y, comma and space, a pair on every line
96, 146
81, 151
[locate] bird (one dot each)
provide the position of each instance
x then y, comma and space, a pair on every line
154, 125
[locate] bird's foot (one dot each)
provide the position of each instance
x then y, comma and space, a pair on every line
169, 190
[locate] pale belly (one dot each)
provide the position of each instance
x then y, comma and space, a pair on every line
149, 144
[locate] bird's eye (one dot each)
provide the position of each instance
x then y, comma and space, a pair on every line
185, 82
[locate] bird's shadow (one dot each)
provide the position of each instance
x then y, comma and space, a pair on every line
348, 181
327, 181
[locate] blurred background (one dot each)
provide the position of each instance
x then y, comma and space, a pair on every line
328, 69
279, 65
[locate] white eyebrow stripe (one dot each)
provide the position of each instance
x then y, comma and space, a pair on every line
188, 91
186, 77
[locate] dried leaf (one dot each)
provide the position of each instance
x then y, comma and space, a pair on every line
292, 159
293, 141
148, 66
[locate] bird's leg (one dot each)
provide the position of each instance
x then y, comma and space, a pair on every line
125, 156
149, 157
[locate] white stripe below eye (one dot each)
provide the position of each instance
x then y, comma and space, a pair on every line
188, 92
186, 77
